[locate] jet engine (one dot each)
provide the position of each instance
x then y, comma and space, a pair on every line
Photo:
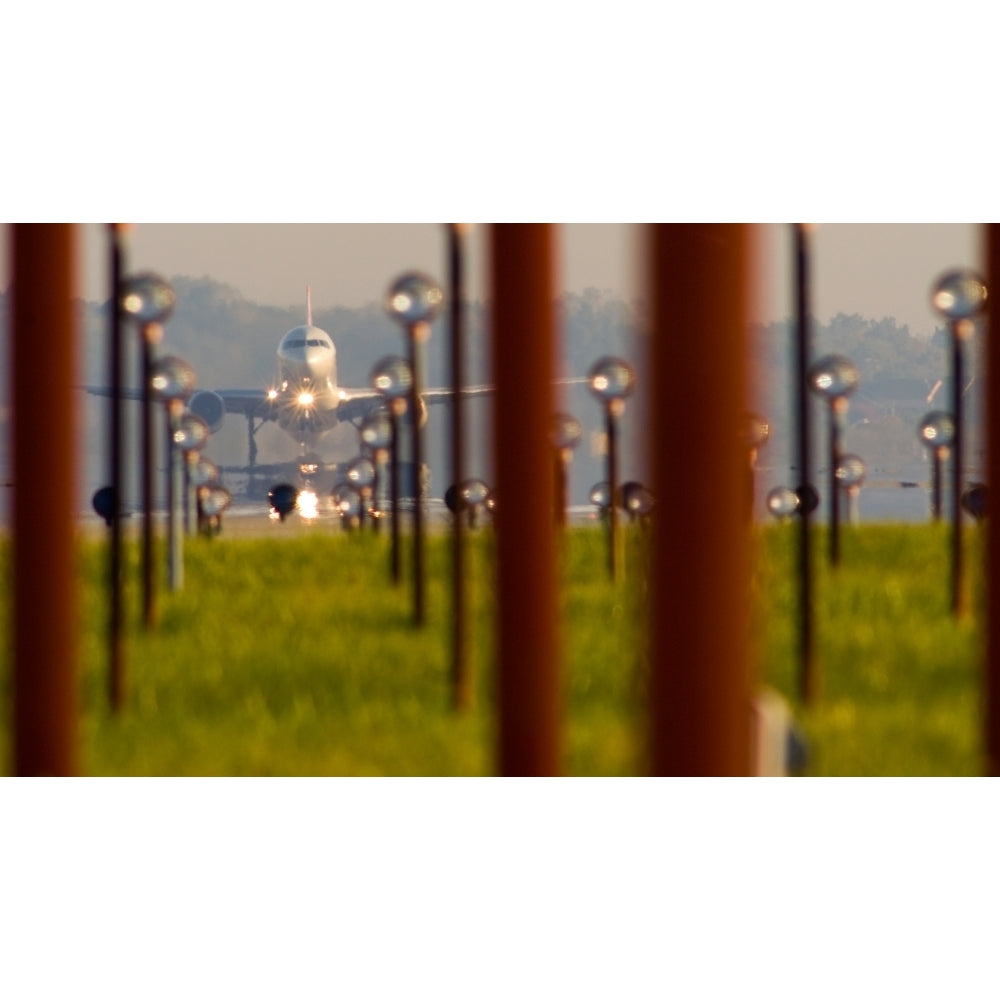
210, 407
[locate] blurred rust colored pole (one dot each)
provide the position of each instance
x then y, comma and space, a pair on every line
808, 686
116, 649
992, 692
43, 361
700, 684
523, 335
460, 673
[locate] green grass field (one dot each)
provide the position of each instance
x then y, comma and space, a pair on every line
296, 656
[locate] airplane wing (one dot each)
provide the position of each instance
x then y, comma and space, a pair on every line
253, 401
358, 403
250, 402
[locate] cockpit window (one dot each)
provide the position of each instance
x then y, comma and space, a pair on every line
307, 343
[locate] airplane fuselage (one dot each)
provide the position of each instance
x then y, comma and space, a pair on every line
306, 395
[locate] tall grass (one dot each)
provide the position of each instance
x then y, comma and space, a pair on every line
295, 655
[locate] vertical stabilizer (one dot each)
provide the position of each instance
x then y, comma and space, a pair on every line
309, 306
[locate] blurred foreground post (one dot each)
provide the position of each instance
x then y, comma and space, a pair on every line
44, 607
523, 363
992, 692
700, 685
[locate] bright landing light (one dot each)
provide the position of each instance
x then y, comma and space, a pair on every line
308, 504
306, 399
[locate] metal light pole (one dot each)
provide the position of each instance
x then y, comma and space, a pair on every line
851, 472
834, 378
937, 434
612, 382
958, 297
361, 475
461, 676
200, 472
566, 434
413, 300
213, 501
148, 300
189, 437
376, 436
802, 421
116, 648
172, 383
393, 378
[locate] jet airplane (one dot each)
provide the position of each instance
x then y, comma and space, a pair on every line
306, 400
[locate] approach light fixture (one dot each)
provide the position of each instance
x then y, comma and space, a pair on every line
414, 300
937, 433
834, 378
612, 381
958, 296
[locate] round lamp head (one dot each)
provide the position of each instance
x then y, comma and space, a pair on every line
376, 431
959, 294
283, 498
975, 500
346, 501
203, 470
808, 498
636, 499
361, 474
833, 377
566, 431
611, 379
600, 495
937, 430
473, 493
147, 298
214, 498
452, 499
104, 504
172, 379
392, 377
850, 471
782, 502
191, 433
414, 298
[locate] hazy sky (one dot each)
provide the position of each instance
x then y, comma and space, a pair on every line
875, 270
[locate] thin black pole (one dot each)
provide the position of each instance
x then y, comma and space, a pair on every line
417, 333
807, 653
957, 598
394, 487
936, 484
461, 676
614, 556
147, 462
836, 419
116, 649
